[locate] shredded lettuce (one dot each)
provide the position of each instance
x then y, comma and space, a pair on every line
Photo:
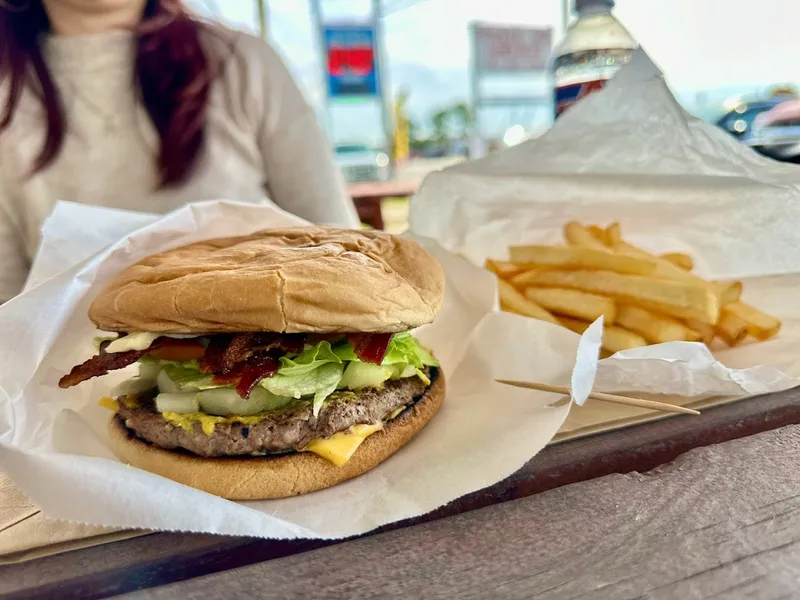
319, 370
311, 358
405, 349
187, 378
320, 381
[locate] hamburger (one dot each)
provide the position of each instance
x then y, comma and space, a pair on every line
269, 365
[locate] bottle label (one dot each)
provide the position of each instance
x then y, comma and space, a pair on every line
567, 95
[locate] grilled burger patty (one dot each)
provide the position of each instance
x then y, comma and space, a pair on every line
290, 428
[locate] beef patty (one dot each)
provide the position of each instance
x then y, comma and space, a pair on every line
287, 429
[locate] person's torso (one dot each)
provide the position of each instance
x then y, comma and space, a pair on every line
108, 157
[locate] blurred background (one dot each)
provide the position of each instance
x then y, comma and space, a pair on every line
404, 87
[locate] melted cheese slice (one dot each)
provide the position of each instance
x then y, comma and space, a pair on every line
340, 447
109, 403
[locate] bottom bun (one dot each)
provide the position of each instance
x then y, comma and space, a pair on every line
268, 478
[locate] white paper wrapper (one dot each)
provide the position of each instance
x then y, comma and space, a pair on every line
631, 154
53, 441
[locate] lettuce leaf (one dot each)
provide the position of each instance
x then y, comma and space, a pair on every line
187, 378
320, 381
311, 358
404, 348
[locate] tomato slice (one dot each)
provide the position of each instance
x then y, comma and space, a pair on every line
179, 350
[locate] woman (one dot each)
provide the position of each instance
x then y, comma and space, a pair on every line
136, 104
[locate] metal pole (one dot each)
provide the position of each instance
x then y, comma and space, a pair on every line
565, 14
384, 89
263, 25
318, 26
475, 143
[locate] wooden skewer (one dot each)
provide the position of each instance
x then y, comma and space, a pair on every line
638, 402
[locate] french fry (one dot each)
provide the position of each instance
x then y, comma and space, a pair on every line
667, 270
574, 257
680, 260
704, 331
577, 235
760, 325
503, 269
512, 301
599, 234
575, 325
655, 328
731, 328
674, 298
615, 339
613, 235
573, 303
728, 291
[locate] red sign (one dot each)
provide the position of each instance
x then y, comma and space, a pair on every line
351, 61
358, 61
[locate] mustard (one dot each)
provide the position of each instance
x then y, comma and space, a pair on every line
209, 422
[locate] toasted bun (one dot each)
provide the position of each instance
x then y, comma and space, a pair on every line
278, 477
304, 279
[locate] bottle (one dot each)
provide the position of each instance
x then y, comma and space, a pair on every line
596, 46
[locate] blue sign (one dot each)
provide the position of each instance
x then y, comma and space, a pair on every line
351, 61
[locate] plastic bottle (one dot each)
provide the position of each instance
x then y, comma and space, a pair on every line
596, 46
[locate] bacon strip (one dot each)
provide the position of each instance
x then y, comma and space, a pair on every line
370, 347
105, 362
212, 361
100, 365
262, 367
245, 345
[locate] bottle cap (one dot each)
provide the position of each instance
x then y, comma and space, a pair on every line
581, 5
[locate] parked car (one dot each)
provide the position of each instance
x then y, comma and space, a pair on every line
776, 132
739, 121
360, 163
770, 127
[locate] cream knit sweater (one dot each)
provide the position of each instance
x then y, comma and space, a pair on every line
264, 144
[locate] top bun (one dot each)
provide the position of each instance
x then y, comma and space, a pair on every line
304, 279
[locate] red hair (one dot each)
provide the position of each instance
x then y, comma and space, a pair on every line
173, 76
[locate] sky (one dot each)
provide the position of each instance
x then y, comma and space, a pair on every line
716, 46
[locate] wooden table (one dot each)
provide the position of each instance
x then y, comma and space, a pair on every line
721, 521
368, 197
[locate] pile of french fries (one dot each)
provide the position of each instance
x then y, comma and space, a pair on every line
644, 298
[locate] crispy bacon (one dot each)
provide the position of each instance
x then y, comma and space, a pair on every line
212, 361
257, 368
100, 365
245, 345
370, 347
105, 362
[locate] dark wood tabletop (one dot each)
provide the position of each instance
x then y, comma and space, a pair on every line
161, 559
368, 197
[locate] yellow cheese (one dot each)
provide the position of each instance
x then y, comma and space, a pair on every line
340, 447
109, 403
